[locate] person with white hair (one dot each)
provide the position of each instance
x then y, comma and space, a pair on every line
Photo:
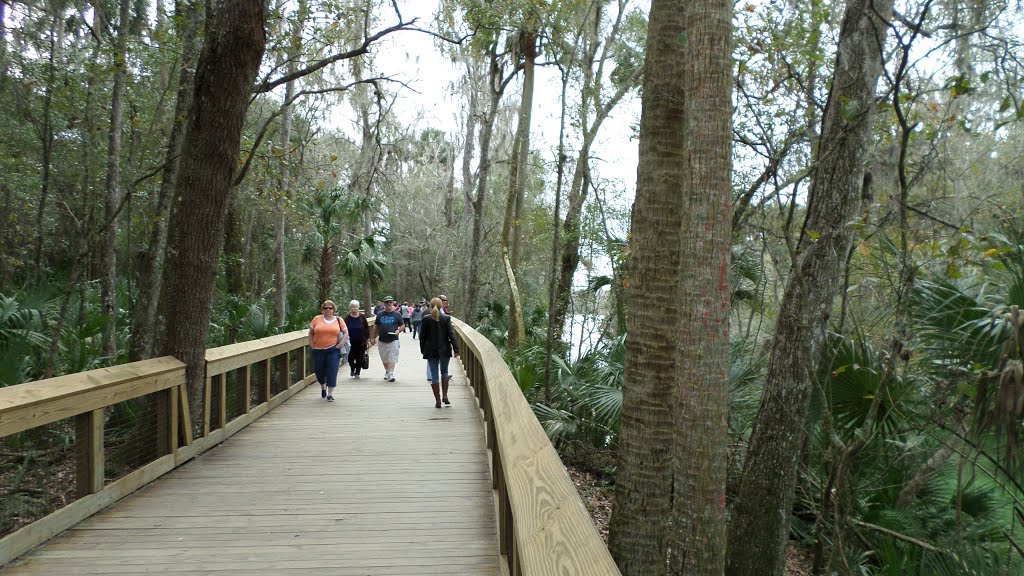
358, 336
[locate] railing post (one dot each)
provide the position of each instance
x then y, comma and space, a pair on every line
247, 388
498, 482
302, 362
287, 370
184, 413
267, 391
167, 421
206, 406
222, 393
89, 475
171, 396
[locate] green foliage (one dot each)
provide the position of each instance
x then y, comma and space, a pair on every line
748, 277
236, 320
972, 333
586, 402
21, 336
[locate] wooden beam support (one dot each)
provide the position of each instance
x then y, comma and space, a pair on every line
247, 387
222, 394
207, 390
89, 475
267, 388
287, 370
185, 415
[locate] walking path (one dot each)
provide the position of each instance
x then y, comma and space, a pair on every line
377, 482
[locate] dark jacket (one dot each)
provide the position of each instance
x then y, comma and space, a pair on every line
363, 322
437, 337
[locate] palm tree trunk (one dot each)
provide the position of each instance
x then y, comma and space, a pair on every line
639, 530
698, 532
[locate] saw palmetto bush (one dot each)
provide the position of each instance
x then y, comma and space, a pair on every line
972, 331
934, 485
22, 337
910, 494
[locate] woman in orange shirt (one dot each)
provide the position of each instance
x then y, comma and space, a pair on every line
327, 335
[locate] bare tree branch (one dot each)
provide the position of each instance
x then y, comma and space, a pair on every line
363, 48
262, 134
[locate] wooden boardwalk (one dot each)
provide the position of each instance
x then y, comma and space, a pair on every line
377, 482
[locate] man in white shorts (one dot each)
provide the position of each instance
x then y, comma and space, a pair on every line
388, 325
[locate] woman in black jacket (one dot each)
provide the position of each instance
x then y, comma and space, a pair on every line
438, 344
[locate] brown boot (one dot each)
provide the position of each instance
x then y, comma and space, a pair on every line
437, 395
444, 390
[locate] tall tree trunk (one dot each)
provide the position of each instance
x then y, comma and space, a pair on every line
569, 256
468, 181
759, 528
553, 280
280, 298
449, 189
511, 228
56, 41
225, 73
108, 278
496, 87
698, 533
469, 149
280, 291
362, 178
188, 18
639, 525
3, 43
580, 187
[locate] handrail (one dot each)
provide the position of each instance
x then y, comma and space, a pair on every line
87, 395
38, 403
543, 526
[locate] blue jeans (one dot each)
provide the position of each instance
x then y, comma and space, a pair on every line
435, 365
325, 365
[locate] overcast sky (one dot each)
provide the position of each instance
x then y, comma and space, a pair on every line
415, 59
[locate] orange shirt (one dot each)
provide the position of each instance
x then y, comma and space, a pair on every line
326, 334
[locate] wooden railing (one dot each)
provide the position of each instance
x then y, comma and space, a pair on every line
82, 403
543, 526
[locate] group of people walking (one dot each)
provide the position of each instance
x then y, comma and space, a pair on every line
330, 337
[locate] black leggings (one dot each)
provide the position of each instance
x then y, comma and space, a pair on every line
355, 355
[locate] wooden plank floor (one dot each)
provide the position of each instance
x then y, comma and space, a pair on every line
377, 482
